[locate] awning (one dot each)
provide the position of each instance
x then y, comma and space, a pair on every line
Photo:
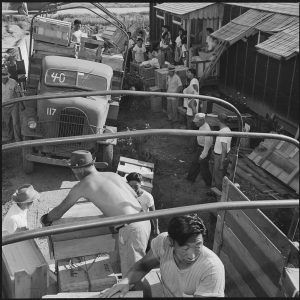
193, 10
240, 27
280, 45
277, 23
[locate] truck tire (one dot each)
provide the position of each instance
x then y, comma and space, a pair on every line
28, 166
108, 155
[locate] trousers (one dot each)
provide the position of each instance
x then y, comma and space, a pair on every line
11, 122
218, 174
172, 105
201, 167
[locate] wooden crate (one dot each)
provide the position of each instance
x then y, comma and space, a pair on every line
113, 111
54, 49
127, 165
134, 67
24, 270
51, 31
147, 72
115, 61
73, 277
161, 76
149, 82
181, 72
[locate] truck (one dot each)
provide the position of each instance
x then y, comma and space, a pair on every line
58, 66
259, 259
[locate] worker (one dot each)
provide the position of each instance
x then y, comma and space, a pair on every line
10, 90
16, 217
145, 198
200, 163
12, 67
187, 267
174, 85
114, 197
77, 33
221, 150
178, 46
138, 51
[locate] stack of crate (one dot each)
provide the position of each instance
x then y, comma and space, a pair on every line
50, 37
90, 49
147, 74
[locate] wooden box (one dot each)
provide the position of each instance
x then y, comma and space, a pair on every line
51, 31
134, 67
115, 61
147, 72
148, 83
181, 72
85, 274
24, 270
54, 49
128, 165
161, 76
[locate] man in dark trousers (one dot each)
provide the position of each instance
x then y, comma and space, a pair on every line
200, 164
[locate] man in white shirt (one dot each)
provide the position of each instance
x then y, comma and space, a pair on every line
221, 150
16, 217
10, 89
138, 51
77, 33
187, 267
145, 199
200, 164
174, 85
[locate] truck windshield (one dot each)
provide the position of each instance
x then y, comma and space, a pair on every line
75, 79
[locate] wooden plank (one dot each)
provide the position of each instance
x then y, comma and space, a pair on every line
292, 175
268, 152
55, 49
152, 285
22, 285
137, 162
87, 295
234, 281
84, 246
247, 266
262, 249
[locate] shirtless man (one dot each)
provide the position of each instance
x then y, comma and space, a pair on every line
114, 197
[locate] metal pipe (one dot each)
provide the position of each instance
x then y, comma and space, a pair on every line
145, 132
116, 220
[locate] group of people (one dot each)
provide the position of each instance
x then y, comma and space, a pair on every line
187, 267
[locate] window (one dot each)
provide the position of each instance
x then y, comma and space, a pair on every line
177, 20
160, 15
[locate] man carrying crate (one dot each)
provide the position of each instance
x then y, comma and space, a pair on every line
114, 197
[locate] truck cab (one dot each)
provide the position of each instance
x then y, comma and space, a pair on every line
72, 116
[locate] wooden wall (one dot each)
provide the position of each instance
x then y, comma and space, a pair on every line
251, 247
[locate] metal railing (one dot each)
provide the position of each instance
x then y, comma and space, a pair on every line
117, 220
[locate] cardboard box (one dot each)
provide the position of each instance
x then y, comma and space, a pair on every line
24, 270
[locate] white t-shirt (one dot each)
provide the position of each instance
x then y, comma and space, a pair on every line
14, 219
139, 53
146, 200
178, 41
222, 139
76, 36
206, 277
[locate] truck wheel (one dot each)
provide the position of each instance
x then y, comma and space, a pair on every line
27, 165
108, 154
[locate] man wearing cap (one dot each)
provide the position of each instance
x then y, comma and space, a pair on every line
200, 164
114, 197
10, 89
221, 150
174, 85
16, 217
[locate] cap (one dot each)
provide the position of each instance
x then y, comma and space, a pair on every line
80, 159
198, 117
25, 194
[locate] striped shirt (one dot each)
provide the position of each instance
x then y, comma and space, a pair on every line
206, 277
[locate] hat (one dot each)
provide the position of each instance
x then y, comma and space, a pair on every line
80, 159
25, 194
198, 117
171, 67
222, 117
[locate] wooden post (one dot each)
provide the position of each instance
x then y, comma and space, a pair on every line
277, 85
235, 65
266, 79
226, 72
188, 41
291, 89
254, 75
230, 13
245, 65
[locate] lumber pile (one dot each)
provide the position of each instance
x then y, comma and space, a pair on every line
279, 158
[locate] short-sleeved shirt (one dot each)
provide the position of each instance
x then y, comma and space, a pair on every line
206, 277
173, 83
146, 200
76, 36
14, 219
222, 139
10, 90
139, 53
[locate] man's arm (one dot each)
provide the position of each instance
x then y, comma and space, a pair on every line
223, 155
136, 273
154, 221
207, 145
58, 211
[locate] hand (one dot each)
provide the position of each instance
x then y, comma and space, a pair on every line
122, 287
44, 220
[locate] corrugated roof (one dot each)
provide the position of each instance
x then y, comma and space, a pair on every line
291, 9
280, 45
293, 29
277, 23
182, 8
241, 26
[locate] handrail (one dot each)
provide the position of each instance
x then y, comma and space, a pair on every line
116, 220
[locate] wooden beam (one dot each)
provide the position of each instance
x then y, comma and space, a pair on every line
291, 89
226, 72
235, 65
277, 85
253, 87
230, 13
245, 66
266, 79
